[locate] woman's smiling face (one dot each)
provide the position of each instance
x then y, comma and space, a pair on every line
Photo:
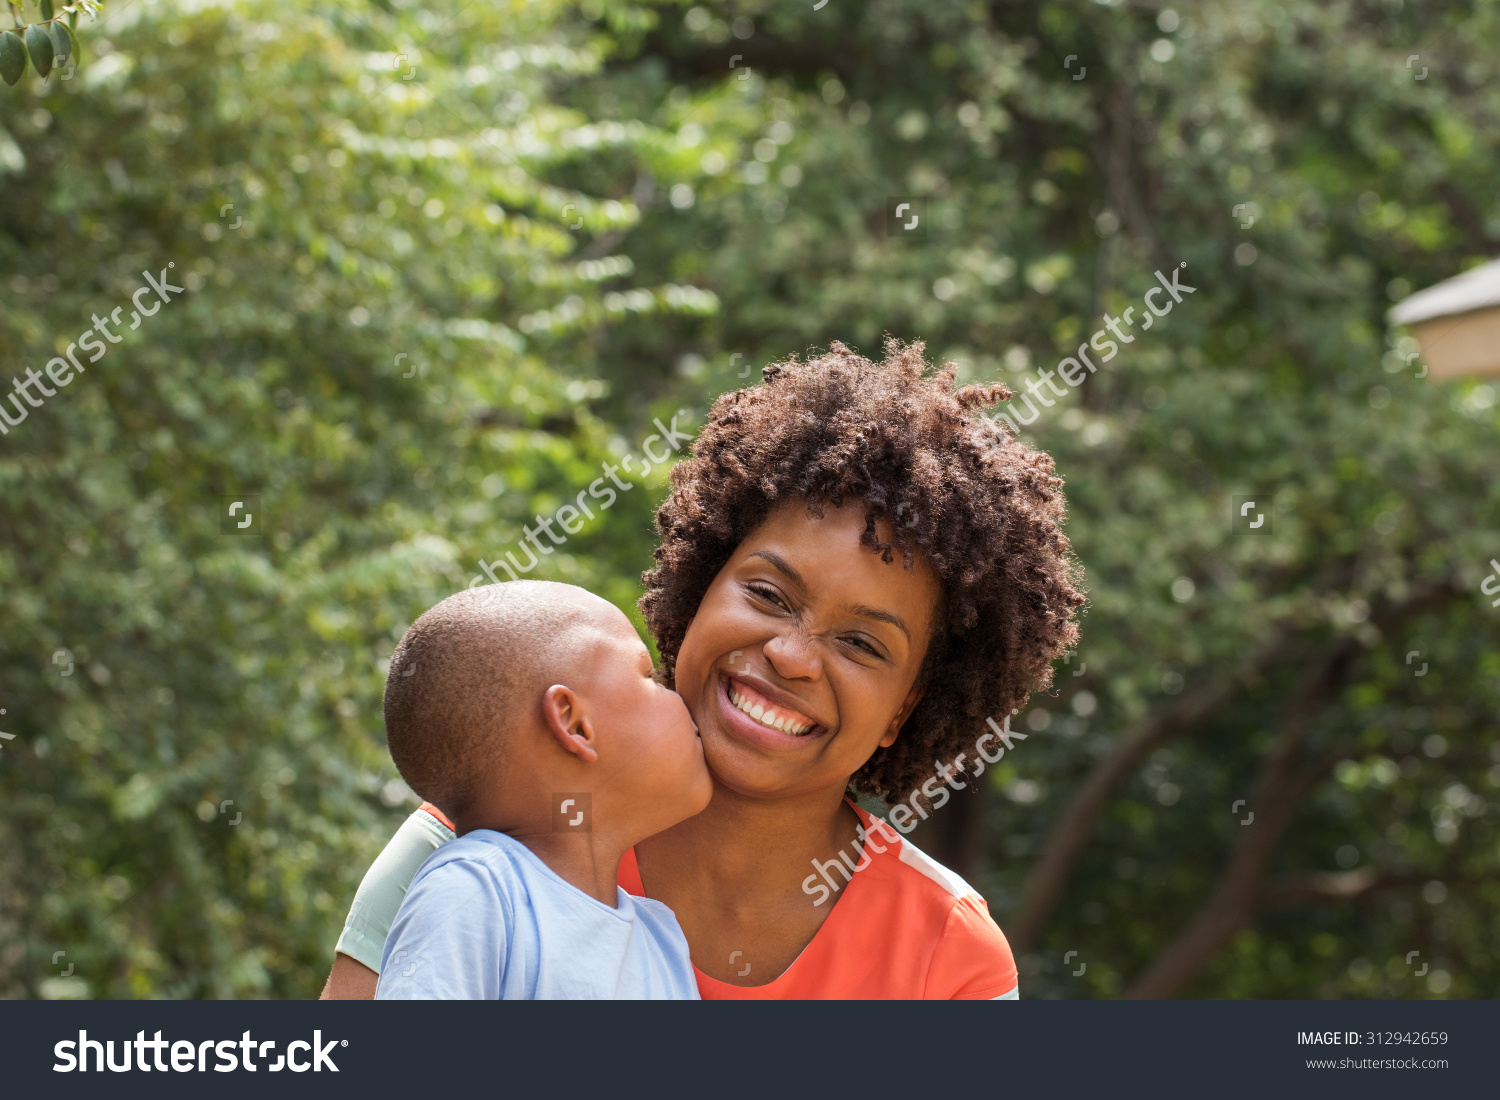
803, 656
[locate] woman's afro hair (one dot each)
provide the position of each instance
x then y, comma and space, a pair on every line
980, 507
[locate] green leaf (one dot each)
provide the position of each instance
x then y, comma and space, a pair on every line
62, 43
12, 58
40, 48
46, 6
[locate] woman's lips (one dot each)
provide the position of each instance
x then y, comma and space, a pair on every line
763, 714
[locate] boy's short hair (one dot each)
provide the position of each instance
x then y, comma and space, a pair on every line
461, 678
909, 448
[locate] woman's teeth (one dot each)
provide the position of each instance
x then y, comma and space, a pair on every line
766, 716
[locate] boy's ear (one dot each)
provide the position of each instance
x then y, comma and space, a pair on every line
913, 697
564, 714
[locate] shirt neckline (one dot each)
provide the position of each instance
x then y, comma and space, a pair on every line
625, 907
715, 984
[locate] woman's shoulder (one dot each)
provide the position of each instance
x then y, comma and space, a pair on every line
913, 869
911, 899
431, 818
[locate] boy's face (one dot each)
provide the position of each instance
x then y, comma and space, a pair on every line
648, 743
807, 630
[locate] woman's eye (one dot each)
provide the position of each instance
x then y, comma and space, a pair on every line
860, 643
770, 595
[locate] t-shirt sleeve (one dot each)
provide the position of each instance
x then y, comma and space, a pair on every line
449, 939
972, 960
384, 885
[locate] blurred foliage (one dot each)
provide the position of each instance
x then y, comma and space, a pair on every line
337, 227
563, 220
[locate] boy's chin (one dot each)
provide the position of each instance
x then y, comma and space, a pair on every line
692, 797
701, 791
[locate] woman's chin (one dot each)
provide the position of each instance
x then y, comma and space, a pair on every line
749, 758
747, 772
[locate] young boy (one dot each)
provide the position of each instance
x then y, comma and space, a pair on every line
528, 714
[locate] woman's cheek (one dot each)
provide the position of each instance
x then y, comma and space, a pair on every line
865, 708
686, 668
688, 681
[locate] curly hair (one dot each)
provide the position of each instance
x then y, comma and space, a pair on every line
983, 509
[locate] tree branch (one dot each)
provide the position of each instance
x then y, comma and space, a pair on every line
1048, 877
1279, 789
1320, 887
1274, 801
1337, 887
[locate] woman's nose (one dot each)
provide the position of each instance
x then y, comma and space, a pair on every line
794, 655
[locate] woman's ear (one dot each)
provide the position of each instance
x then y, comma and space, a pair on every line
913, 697
564, 714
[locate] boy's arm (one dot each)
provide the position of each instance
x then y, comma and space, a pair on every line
356, 965
450, 938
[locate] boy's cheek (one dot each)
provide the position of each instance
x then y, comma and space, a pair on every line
670, 731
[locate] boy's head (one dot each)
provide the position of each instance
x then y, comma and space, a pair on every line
501, 695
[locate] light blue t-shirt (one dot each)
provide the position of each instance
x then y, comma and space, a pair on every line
485, 919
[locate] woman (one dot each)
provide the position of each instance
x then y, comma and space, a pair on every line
856, 571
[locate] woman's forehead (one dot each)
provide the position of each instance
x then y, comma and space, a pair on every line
821, 553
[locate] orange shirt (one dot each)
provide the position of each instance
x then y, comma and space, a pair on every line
904, 928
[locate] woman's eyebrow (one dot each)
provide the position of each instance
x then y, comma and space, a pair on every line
881, 617
782, 566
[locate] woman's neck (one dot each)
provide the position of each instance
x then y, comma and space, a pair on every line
750, 844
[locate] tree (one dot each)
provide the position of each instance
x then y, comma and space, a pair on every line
1331, 671
404, 176
350, 213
